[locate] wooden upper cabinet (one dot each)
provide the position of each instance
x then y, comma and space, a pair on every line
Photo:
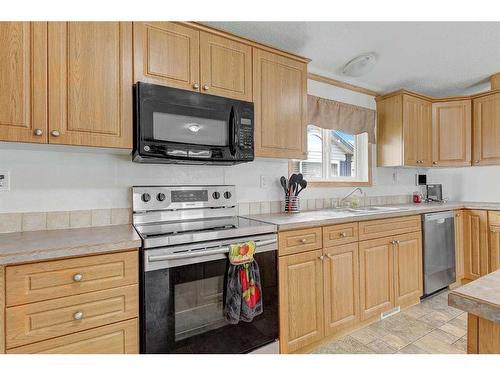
341, 287
23, 80
376, 270
451, 133
408, 284
90, 83
476, 253
167, 54
225, 67
404, 131
417, 131
486, 130
280, 98
301, 300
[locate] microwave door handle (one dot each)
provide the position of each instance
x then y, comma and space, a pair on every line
233, 133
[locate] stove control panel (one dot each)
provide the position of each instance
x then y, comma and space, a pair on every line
156, 198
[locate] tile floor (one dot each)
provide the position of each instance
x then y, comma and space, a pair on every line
432, 327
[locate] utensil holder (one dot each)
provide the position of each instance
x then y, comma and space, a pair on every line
291, 204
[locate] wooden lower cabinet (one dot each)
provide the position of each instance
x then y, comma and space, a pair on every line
118, 338
408, 284
459, 244
475, 243
483, 336
494, 261
376, 270
341, 287
301, 300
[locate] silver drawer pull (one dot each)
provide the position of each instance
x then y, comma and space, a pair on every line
303, 240
77, 277
78, 315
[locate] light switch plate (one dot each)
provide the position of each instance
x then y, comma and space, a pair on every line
5, 181
264, 182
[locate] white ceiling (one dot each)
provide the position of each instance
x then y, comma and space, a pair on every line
433, 58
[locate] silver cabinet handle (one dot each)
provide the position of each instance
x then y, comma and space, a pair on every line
78, 315
38, 132
476, 161
303, 240
434, 162
77, 277
196, 86
55, 133
393, 242
342, 234
205, 87
322, 257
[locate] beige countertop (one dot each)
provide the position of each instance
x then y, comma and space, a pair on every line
480, 297
330, 216
36, 246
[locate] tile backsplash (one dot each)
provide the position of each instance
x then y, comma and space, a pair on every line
32, 221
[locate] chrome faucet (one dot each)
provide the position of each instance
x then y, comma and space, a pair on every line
341, 201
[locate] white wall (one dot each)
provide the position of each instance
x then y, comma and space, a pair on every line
51, 178
479, 184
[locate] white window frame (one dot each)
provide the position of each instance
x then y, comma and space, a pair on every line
361, 157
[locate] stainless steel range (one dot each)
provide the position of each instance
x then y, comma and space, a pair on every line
186, 232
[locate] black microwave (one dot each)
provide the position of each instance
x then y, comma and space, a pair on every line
180, 126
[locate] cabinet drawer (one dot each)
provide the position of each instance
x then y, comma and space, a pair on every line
340, 234
47, 280
494, 218
48, 319
118, 338
388, 227
297, 241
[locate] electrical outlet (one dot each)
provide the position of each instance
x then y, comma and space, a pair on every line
264, 182
4, 181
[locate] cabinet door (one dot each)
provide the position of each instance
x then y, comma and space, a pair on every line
280, 98
408, 287
475, 244
494, 248
341, 286
417, 129
451, 133
376, 270
301, 300
23, 78
167, 54
486, 129
225, 67
90, 83
459, 244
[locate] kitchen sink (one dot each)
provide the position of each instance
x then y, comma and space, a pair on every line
371, 209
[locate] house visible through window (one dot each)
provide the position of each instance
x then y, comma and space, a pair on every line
333, 155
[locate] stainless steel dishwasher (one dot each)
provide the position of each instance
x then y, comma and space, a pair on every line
439, 251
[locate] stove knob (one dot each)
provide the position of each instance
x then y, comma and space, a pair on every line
146, 197
161, 197
227, 195
216, 195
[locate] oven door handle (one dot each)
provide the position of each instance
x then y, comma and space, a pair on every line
195, 254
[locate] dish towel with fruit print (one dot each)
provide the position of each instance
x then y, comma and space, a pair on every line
243, 288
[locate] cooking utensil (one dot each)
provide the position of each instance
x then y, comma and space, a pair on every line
283, 184
303, 185
292, 183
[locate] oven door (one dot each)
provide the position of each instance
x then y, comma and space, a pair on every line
178, 125
183, 301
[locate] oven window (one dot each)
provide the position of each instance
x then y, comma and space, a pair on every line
173, 127
198, 307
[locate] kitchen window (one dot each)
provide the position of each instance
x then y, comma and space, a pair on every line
335, 157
